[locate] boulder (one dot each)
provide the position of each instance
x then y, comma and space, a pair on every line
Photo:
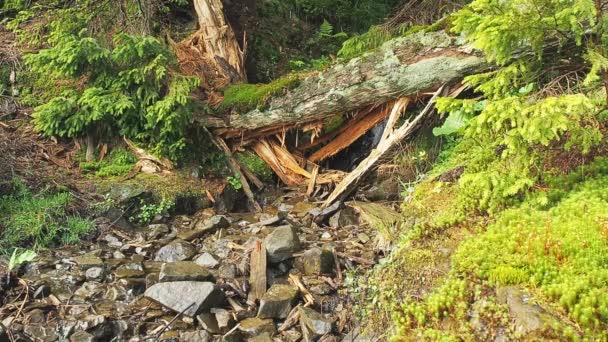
208, 322
313, 324
277, 302
177, 250
157, 230
191, 297
529, 318
183, 271
316, 261
255, 326
281, 243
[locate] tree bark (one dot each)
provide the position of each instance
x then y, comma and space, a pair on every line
401, 67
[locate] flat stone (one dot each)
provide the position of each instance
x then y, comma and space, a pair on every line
227, 271
41, 333
277, 302
281, 243
263, 337
130, 270
207, 260
194, 336
94, 273
183, 270
316, 261
208, 322
529, 318
177, 250
82, 336
225, 320
313, 324
255, 326
191, 296
156, 231
203, 227
88, 260
89, 290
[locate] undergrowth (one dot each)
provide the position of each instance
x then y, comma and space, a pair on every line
119, 162
40, 220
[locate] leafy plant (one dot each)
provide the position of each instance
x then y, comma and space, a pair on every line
235, 182
147, 212
17, 259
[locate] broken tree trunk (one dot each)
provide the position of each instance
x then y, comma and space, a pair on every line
212, 53
382, 151
401, 67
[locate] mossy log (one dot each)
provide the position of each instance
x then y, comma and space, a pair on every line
401, 67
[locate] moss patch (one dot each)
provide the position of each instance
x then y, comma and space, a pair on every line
245, 97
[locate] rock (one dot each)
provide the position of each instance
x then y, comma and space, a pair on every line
292, 335
94, 273
183, 270
364, 238
208, 322
529, 318
194, 336
88, 260
82, 336
193, 297
41, 333
227, 271
130, 270
3, 334
224, 318
177, 250
316, 261
256, 326
89, 290
118, 255
281, 244
263, 337
277, 302
203, 227
386, 190
207, 260
345, 217
113, 241
155, 231
313, 324
355, 335
35, 316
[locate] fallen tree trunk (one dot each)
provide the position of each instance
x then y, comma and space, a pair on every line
402, 67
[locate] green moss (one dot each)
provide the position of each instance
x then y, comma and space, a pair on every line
244, 97
119, 162
256, 165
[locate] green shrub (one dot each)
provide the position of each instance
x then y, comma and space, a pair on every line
129, 90
40, 220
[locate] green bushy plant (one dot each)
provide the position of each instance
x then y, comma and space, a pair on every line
129, 90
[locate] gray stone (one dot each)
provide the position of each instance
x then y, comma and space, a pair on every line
256, 326
208, 321
263, 337
41, 333
130, 270
345, 217
277, 302
291, 335
194, 336
183, 270
191, 296
118, 255
82, 336
313, 324
281, 243
203, 227
88, 260
157, 230
113, 241
207, 260
177, 250
227, 271
316, 261
94, 273
529, 318
224, 318
89, 290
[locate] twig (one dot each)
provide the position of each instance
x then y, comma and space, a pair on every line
173, 320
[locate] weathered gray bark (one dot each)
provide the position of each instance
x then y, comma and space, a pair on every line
403, 66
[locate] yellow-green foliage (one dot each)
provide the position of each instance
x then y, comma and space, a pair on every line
244, 97
118, 163
563, 251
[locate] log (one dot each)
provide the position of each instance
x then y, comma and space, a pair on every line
382, 151
401, 67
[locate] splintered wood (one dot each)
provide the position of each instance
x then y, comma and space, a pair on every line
258, 271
